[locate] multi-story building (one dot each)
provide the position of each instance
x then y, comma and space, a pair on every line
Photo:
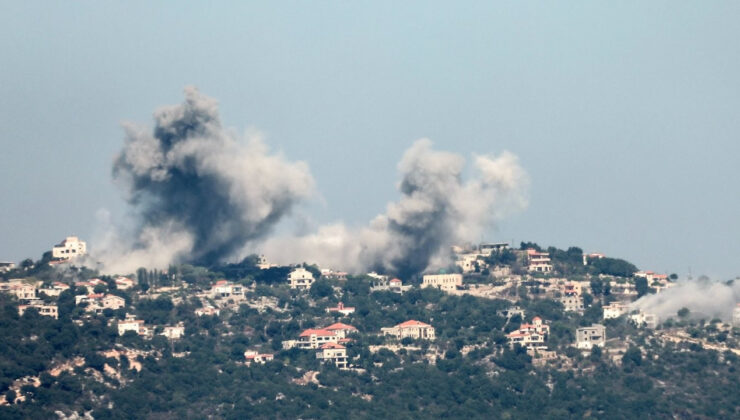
587, 337
55, 289
412, 328
113, 302
644, 319
71, 247
572, 303
224, 290
614, 310
314, 338
131, 324
300, 278
444, 282
44, 310
538, 262
531, 336
333, 352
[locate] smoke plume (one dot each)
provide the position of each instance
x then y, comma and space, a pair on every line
437, 209
703, 297
197, 192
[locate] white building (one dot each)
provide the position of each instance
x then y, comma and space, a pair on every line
6, 266
643, 319
300, 278
538, 262
224, 289
130, 324
70, 247
174, 332
412, 328
736, 316
531, 336
44, 310
614, 310
587, 337
333, 352
252, 356
444, 282
340, 308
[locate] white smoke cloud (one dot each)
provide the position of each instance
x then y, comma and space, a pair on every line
437, 209
704, 298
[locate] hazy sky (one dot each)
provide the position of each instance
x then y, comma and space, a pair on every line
624, 114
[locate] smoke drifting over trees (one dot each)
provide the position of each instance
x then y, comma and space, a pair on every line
437, 209
197, 193
703, 297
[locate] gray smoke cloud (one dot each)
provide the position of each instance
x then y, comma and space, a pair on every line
703, 297
198, 192
437, 209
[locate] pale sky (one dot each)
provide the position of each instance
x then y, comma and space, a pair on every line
624, 114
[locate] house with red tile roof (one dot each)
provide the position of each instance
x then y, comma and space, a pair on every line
340, 308
333, 352
252, 356
341, 330
531, 336
412, 328
314, 338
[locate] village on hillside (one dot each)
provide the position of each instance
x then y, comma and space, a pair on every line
497, 305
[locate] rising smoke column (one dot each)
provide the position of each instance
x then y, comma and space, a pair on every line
437, 209
197, 193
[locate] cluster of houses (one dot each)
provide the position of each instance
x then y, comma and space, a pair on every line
330, 342
130, 323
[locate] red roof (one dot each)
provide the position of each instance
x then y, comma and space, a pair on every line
340, 326
221, 282
412, 323
396, 281
332, 346
322, 332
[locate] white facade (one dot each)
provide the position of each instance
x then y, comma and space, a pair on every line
614, 310
643, 319
71, 247
333, 352
252, 356
300, 278
224, 289
445, 282
538, 261
130, 325
174, 332
413, 329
